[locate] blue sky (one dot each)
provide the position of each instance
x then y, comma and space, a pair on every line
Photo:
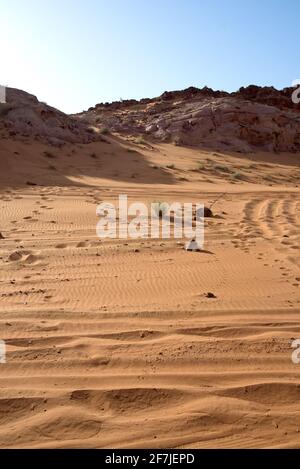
74, 54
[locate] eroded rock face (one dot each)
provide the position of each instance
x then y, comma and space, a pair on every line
267, 95
227, 122
251, 119
24, 115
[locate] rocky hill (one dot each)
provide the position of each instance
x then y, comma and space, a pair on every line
23, 115
251, 119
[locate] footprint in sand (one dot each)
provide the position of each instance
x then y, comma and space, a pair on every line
286, 243
15, 256
31, 259
82, 244
25, 256
60, 246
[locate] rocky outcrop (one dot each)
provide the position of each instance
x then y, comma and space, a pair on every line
267, 95
24, 115
251, 119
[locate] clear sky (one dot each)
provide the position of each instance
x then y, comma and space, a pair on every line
74, 54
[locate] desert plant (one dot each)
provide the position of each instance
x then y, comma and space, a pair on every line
268, 177
237, 175
140, 140
222, 167
201, 166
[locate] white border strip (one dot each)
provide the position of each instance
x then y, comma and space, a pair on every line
2, 94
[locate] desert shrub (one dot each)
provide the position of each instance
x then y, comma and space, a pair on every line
268, 177
237, 175
222, 167
201, 166
140, 140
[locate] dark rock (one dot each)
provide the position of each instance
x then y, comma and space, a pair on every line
210, 295
208, 212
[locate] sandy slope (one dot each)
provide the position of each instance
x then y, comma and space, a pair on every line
113, 343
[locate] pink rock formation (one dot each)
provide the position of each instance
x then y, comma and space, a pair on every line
251, 119
24, 115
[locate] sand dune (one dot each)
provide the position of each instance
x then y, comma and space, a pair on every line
114, 343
